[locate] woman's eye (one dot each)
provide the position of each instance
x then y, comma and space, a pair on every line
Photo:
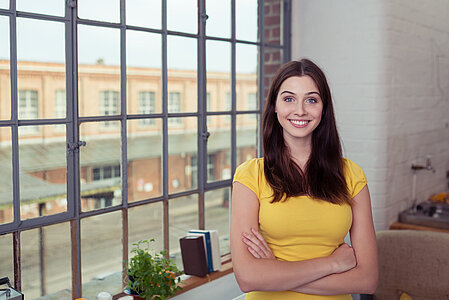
288, 99
311, 100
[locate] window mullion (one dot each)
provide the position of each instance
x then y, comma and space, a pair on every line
202, 121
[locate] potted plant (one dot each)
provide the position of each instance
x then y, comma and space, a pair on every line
151, 276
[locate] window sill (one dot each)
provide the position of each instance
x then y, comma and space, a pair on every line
194, 281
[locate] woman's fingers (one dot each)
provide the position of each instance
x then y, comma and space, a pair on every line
257, 244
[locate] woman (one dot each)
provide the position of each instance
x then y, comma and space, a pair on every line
292, 209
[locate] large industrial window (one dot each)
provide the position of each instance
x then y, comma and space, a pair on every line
81, 178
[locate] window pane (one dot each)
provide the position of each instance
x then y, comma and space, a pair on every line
4, 4
6, 257
219, 21
144, 160
273, 22
99, 70
219, 148
217, 215
99, 186
6, 196
182, 15
41, 67
100, 10
51, 7
101, 252
43, 172
247, 136
143, 58
5, 81
182, 150
246, 20
246, 67
145, 223
273, 59
183, 216
182, 71
218, 63
145, 13
46, 262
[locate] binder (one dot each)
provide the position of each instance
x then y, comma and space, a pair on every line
193, 255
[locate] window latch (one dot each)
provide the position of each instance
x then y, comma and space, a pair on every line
205, 135
74, 147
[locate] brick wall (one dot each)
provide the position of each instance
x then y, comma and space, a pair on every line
273, 35
387, 65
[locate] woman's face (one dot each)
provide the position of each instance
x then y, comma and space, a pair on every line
299, 108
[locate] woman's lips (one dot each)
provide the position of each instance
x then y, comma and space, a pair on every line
299, 123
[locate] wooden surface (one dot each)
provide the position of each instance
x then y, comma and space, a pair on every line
399, 225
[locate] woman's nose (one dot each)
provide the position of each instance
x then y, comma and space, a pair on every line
300, 109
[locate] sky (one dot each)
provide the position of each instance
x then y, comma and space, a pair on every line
39, 40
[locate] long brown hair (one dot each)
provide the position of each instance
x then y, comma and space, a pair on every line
323, 176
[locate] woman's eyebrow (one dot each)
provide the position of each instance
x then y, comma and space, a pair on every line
288, 92
310, 93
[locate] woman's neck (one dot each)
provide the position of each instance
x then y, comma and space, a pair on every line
300, 150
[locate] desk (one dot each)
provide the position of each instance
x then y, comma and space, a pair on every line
399, 225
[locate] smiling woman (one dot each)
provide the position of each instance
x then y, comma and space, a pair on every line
292, 209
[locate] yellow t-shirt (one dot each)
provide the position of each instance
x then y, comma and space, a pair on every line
301, 227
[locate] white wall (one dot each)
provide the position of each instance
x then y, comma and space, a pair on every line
387, 63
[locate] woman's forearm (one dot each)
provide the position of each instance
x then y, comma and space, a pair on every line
355, 281
274, 275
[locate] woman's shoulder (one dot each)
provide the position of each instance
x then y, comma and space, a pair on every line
351, 166
254, 163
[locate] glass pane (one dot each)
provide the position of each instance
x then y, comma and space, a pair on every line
100, 10
145, 222
4, 4
183, 216
246, 20
247, 137
219, 148
219, 21
100, 186
182, 15
6, 205
182, 71
272, 22
182, 154
5, 81
6, 257
46, 262
101, 252
218, 67
217, 215
143, 72
99, 71
41, 67
43, 171
273, 59
51, 7
246, 68
145, 13
144, 159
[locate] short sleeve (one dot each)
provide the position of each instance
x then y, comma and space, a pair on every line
248, 175
355, 177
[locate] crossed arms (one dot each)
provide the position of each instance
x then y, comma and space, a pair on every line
347, 270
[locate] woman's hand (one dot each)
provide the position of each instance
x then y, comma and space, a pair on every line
257, 245
343, 258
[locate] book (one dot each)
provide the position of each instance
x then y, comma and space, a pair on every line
193, 255
212, 248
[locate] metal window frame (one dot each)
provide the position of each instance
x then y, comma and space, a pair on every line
74, 215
